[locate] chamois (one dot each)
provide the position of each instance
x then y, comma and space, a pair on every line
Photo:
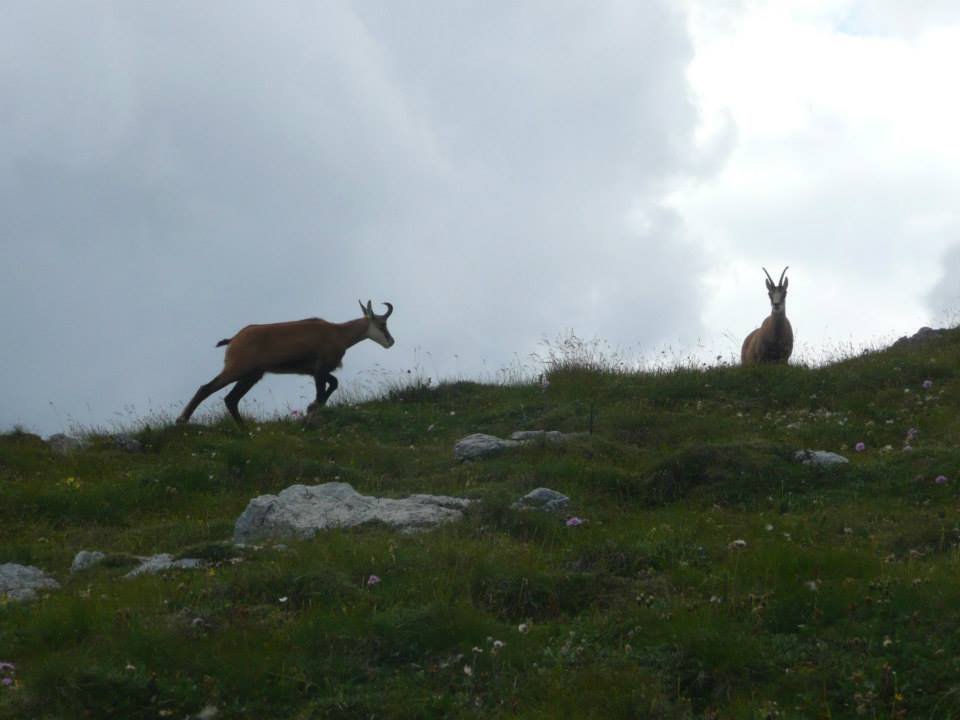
773, 340
312, 347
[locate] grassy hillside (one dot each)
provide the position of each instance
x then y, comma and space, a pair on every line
713, 576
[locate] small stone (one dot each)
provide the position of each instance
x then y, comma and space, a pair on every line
164, 562
820, 458
533, 435
542, 499
64, 444
552, 436
479, 445
127, 443
85, 559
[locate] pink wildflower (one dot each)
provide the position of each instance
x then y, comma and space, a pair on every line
574, 521
927, 384
373, 580
860, 447
941, 480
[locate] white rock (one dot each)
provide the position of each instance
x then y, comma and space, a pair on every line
542, 435
65, 444
164, 562
479, 445
542, 499
300, 511
19, 583
85, 559
127, 443
208, 713
819, 457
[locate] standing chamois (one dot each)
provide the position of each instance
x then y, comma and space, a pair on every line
311, 347
773, 340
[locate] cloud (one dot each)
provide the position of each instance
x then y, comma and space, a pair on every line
893, 18
170, 172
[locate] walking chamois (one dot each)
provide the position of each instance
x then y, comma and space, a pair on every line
312, 347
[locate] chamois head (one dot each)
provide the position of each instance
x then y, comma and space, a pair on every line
377, 327
778, 292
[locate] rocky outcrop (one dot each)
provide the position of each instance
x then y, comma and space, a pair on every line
480, 445
19, 583
300, 511
921, 336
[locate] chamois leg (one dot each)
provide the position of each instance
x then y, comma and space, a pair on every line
232, 400
332, 385
205, 391
326, 384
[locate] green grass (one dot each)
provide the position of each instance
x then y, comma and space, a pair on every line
842, 600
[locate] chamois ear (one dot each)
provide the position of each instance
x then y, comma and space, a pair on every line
786, 281
366, 311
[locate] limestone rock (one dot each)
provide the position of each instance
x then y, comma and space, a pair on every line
479, 445
86, 559
19, 583
65, 444
922, 335
164, 562
553, 436
127, 443
542, 499
300, 511
821, 458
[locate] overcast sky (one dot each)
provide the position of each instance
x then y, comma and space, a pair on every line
501, 172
